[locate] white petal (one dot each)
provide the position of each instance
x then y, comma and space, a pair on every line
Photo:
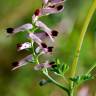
37, 50
35, 38
39, 66
23, 28
43, 27
50, 10
41, 50
45, 1
34, 18
43, 65
47, 65
44, 51
24, 46
42, 35
56, 1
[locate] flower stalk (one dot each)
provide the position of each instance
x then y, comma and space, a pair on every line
80, 42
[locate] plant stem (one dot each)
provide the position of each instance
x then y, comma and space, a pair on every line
89, 71
79, 45
56, 83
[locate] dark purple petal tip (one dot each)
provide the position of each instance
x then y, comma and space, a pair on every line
15, 64
10, 30
59, 7
43, 45
19, 45
54, 33
51, 63
37, 11
54, 66
52, 6
50, 49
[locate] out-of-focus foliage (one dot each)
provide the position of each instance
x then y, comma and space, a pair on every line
25, 81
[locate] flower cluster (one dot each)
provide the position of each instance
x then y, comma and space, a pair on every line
48, 7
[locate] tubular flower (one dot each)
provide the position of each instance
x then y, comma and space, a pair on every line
22, 62
23, 46
50, 33
35, 38
44, 65
19, 29
44, 50
41, 44
42, 35
49, 7
52, 9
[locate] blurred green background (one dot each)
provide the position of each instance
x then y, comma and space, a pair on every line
25, 81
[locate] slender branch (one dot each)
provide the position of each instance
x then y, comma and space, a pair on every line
56, 83
84, 29
80, 42
32, 45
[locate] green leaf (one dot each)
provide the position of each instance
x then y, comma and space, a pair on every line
60, 68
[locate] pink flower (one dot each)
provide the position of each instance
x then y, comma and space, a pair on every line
24, 27
42, 35
35, 38
41, 44
23, 46
22, 62
44, 65
49, 7
51, 33
44, 50
52, 9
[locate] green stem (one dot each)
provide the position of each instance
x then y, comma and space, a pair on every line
79, 45
56, 83
32, 45
89, 71
34, 54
